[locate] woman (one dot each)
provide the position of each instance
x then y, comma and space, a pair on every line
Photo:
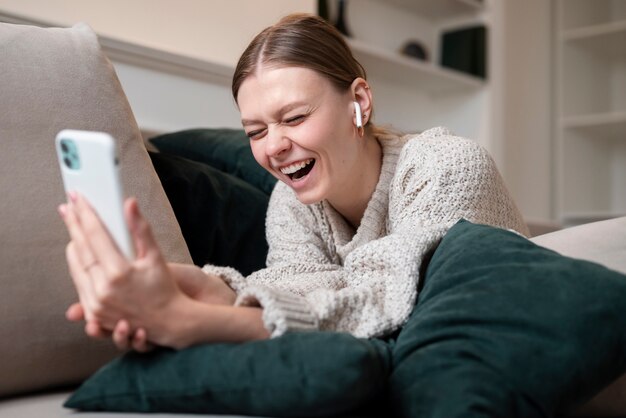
356, 211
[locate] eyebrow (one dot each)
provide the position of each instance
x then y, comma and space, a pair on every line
286, 108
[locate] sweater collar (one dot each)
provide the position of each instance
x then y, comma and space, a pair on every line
374, 222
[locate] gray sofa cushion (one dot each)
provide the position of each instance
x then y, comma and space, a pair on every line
602, 242
54, 79
50, 405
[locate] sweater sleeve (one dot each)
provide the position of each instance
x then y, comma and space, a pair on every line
438, 180
442, 178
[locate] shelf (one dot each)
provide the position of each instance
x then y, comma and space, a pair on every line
607, 38
611, 126
591, 112
437, 9
423, 75
582, 13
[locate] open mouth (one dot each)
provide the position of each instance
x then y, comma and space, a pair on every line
298, 170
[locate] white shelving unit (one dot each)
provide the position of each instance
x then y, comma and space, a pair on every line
413, 94
591, 110
392, 65
425, 75
440, 8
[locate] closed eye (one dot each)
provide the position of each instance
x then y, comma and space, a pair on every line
295, 120
255, 134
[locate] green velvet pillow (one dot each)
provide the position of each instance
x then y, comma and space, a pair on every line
505, 328
227, 150
222, 217
296, 375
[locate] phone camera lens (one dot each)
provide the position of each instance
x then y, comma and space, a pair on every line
70, 155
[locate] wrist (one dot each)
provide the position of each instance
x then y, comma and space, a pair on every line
175, 323
192, 322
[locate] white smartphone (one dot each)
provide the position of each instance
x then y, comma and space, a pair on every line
89, 166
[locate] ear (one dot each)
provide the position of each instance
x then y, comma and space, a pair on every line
362, 94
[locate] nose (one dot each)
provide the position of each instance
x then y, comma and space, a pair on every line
277, 142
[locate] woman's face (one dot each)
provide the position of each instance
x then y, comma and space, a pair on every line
301, 130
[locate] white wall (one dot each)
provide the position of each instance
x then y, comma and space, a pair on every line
214, 30
211, 31
168, 102
218, 31
512, 117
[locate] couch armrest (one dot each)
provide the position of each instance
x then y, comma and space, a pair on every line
602, 242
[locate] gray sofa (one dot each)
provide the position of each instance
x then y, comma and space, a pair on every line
59, 78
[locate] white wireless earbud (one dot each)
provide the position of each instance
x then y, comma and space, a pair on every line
359, 118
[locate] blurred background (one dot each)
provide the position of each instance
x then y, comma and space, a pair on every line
540, 83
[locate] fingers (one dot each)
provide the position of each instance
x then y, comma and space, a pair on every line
141, 232
84, 255
124, 340
140, 341
82, 281
94, 330
92, 254
75, 312
97, 267
100, 243
121, 335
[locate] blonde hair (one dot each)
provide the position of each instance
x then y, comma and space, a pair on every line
303, 40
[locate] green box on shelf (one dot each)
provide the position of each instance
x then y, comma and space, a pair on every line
465, 50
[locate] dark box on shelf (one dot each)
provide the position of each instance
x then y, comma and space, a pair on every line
465, 50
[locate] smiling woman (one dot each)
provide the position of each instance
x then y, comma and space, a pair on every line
355, 212
402, 300
291, 116
350, 225
357, 207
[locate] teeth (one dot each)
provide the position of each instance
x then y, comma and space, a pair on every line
290, 169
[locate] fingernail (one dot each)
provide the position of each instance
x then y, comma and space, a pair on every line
62, 209
73, 196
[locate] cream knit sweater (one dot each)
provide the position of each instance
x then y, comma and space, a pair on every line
322, 274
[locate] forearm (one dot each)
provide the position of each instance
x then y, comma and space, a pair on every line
195, 323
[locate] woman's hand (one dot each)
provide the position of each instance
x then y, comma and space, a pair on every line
191, 280
122, 335
111, 288
141, 302
201, 286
